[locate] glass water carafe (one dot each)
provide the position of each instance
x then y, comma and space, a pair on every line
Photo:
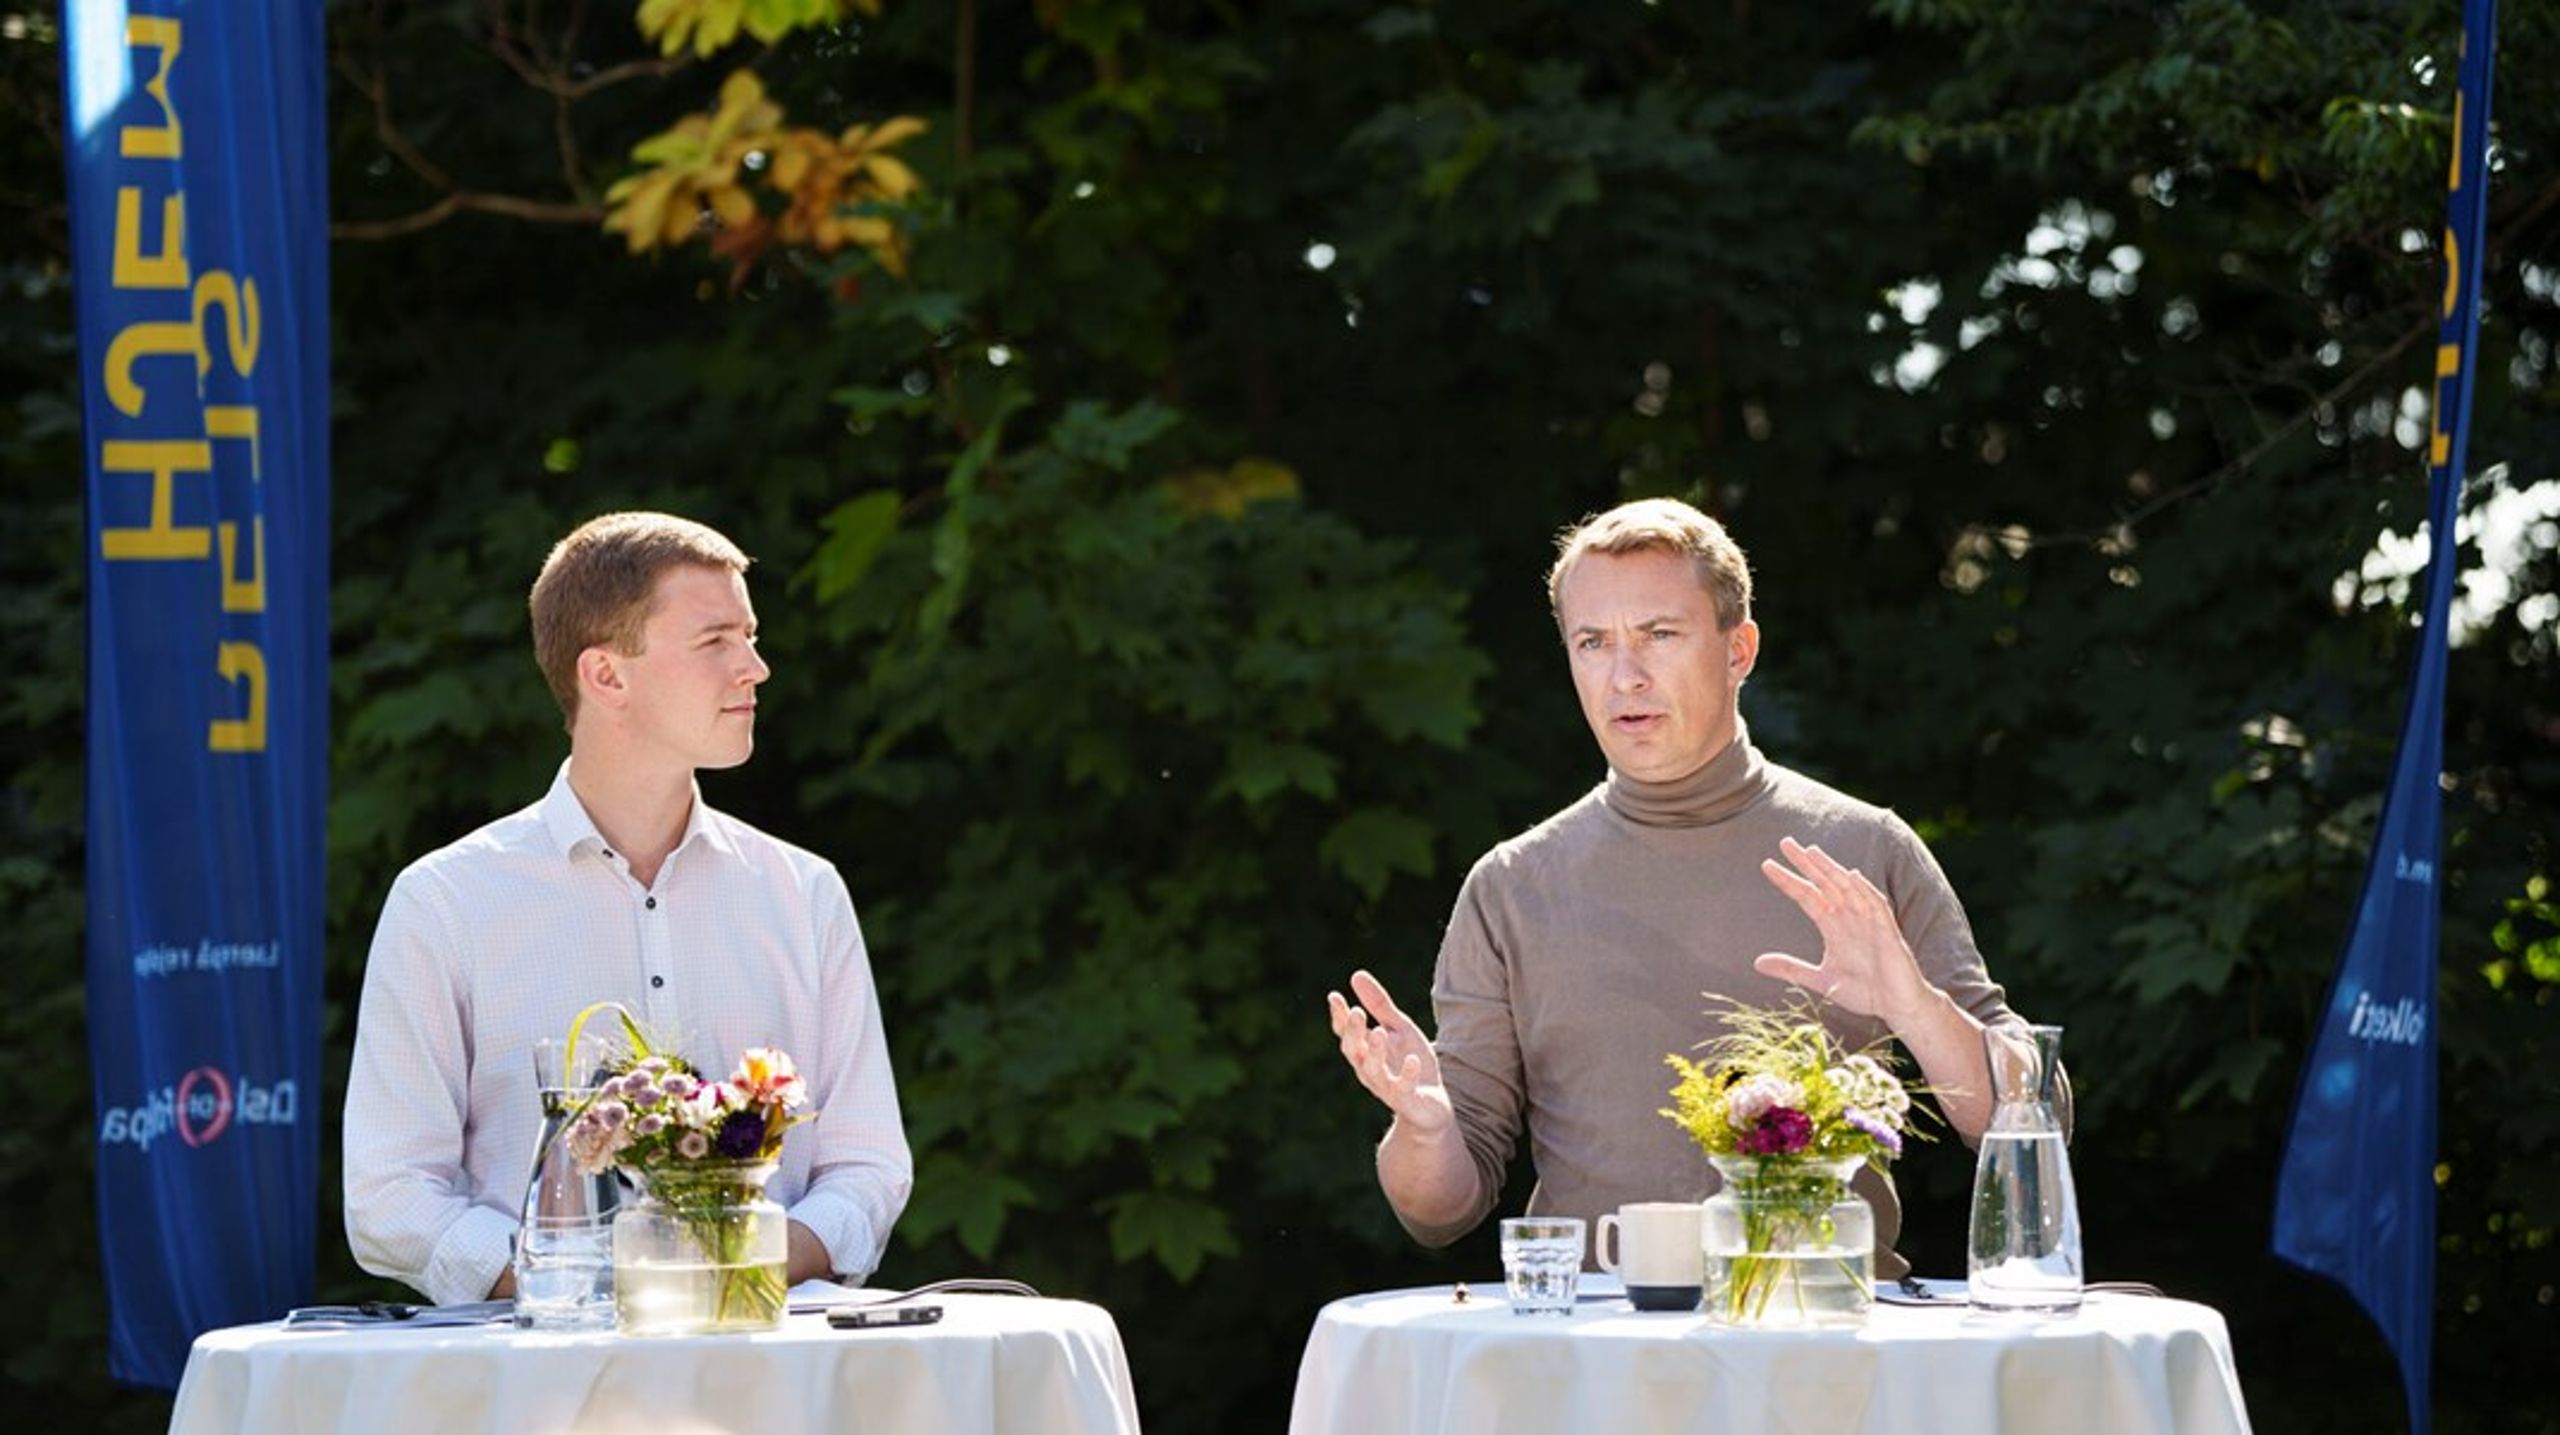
564, 1242
2024, 1251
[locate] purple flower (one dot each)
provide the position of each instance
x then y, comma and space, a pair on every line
693, 1145
1781, 1131
742, 1134
1877, 1127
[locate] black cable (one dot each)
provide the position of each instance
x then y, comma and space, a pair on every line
965, 1285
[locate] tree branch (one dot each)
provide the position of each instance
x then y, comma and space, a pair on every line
468, 201
378, 93
522, 50
2235, 468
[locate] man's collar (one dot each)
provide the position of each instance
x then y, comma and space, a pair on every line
1726, 785
565, 817
708, 826
572, 828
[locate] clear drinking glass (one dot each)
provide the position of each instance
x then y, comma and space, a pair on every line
1542, 1263
564, 1242
2024, 1251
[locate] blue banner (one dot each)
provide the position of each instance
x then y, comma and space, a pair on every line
198, 147
2356, 1196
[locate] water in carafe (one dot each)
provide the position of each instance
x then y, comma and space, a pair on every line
564, 1241
2024, 1250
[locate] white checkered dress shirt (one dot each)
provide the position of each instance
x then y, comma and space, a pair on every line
505, 935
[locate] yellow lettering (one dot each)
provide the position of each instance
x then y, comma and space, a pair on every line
249, 594
158, 32
2439, 443
244, 595
215, 289
2452, 270
136, 342
238, 421
137, 270
239, 662
239, 305
164, 460
240, 595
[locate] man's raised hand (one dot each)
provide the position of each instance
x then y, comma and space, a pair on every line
1866, 965
1390, 1055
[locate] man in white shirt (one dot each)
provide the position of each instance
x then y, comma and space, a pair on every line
620, 884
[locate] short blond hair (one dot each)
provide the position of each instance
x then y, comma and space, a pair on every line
600, 584
1660, 525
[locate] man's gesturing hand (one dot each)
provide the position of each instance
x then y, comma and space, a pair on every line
1392, 1058
1866, 966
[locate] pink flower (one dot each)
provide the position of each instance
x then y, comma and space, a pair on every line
594, 1140
709, 1105
693, 1145
1747, 1100
765, 1074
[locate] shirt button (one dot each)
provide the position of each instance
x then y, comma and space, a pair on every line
657, 981
653, 904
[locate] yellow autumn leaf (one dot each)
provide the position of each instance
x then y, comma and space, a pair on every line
1228, 492
640, 204
791, 161
683, 217
1256, 480
891, 175
734, 205
866, 230
707, 24
743, 109
656, 17
683, 143
863, 138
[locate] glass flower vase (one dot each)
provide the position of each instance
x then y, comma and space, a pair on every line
1789, 1243
702, 1251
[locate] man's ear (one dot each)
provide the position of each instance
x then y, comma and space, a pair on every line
600, 678
1742, 648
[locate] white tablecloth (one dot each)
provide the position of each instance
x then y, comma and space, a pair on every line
993, 1364
1417, 1363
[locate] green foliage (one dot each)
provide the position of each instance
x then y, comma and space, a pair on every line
2054, 363
1142, 698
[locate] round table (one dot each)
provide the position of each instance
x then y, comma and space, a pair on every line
992, 1364
1419, 1362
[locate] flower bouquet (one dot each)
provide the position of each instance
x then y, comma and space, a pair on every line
703, 1249
1787, 1117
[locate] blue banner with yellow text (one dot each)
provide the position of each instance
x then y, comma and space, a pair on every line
197, 146
2356, 1196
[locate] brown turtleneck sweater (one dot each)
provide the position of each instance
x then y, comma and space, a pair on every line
1585, 949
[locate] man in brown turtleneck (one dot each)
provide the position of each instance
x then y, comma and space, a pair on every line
1586, 948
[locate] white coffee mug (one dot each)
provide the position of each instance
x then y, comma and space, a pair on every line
1659, 1252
